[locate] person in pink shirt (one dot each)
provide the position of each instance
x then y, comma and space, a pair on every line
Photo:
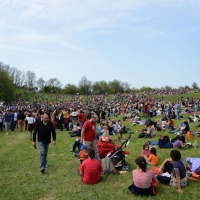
142, 179
145, 151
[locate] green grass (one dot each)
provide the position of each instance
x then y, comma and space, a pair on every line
20, 176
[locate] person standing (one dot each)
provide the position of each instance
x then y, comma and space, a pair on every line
178, 110
81, 118
20, 120
43, 130
31, 122
88, 134
7, 119
1, 121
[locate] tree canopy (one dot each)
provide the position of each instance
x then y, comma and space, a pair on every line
6, 86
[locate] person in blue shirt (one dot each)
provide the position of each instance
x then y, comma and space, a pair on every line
7, 119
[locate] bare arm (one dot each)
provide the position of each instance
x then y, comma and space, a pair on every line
178, 180
81, 173
82, 134
162, 165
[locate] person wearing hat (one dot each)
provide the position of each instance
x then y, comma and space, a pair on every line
83, 155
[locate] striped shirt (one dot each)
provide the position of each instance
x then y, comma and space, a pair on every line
143, 179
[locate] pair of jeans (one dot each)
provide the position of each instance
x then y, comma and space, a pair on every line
77, 144
43, 153
168, 167
175, 131
178, 114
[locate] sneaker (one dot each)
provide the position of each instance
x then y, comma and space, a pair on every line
42, 169
7, 133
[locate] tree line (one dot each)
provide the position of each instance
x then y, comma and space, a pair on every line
12, 77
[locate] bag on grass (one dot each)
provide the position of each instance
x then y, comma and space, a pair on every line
195, 144
108, 167
173, 182
197, 170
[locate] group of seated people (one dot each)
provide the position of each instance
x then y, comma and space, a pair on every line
172, 172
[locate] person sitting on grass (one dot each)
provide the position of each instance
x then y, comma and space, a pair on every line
178, 141
83, 155
169, 124
76, 144
145, 151
142, 179
91, 169
175, 168
76, 131
120, 129
153, 158
103, 132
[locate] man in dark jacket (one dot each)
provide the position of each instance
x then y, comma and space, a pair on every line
44, 129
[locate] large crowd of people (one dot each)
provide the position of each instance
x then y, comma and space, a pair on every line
80, 114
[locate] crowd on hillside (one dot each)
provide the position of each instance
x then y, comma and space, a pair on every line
78, 112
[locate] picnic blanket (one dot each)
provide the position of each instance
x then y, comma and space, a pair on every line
193, 163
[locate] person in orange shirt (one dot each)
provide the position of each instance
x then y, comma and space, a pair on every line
153, 158
83, 153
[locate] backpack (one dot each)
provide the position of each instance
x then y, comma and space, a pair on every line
125, 129
197, 171
195, 144
108, 167
166, 139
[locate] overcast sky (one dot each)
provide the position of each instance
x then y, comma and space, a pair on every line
143, 42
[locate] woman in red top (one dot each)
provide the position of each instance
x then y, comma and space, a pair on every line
91, 169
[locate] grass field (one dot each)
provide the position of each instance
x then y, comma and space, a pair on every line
20, 176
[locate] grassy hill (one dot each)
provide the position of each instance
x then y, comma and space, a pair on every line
21, 177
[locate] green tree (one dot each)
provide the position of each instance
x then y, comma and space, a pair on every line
6, 86
85, 86
146, 89
100, 87
167, 87
115, 86
70, 89
194, 85
47, 89
41, 84
55, 85
30, 79
187, 87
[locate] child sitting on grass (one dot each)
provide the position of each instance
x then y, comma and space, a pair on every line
153, 158
145, 151
83, 153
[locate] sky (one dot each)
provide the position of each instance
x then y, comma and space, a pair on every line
153, 43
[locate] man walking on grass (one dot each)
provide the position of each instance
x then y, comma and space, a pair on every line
7, 119
44, 129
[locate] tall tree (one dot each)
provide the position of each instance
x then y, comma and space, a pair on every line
84, 86
30, 79
54, 84
126, 86
6, 86
70, 89
194, 85
115, 86
100, 87
41, 84
167, 87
